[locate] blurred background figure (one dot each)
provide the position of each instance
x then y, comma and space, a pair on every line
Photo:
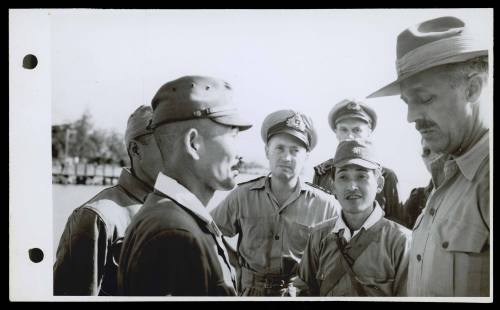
89, 249
418, 196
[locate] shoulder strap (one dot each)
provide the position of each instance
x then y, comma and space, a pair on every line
349, 255
318, 187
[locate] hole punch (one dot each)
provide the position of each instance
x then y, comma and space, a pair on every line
30, 62
36, 255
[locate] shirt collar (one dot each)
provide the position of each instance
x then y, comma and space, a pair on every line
470, 161
374, 217
183, 196
133, 185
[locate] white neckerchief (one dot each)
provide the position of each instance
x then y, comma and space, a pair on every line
374, 217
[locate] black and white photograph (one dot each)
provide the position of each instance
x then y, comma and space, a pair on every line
250, 154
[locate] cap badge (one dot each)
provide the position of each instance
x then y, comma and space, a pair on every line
353, 106
296, 122
356, 150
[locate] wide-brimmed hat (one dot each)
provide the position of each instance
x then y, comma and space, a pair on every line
432, 43
196, 97
290, 122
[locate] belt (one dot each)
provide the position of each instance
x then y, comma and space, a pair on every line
251, 278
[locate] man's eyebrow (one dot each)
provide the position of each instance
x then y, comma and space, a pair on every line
362, 169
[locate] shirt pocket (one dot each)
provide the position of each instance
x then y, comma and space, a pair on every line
463, 244
298, 235
378, 285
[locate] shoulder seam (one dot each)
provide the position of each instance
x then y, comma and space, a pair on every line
319, 187
252, 180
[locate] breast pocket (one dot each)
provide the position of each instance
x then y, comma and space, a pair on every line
465, 244
298, 235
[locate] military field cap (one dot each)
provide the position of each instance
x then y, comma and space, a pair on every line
290, 122
352, 108
432, 43
196, 97
137, 124
356, 152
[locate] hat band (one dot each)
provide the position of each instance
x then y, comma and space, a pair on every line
281, 126
426, 55
204, 113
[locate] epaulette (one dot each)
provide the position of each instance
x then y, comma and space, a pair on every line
319, 187
252, 180
325, 166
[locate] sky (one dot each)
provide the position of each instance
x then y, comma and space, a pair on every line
109, 62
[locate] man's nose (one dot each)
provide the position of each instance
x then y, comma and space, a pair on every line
352, 185
414, 113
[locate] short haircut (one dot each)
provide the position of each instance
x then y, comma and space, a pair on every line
460, 72
144, 139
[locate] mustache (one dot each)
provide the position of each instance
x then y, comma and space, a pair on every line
424, 124
349, 193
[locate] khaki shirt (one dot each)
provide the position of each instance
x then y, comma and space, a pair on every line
272, 238
381, 268
89, 248
450, 251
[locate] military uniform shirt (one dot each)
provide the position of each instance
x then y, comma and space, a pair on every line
173, 247
450, 251
272, 238
88, 252
382, 267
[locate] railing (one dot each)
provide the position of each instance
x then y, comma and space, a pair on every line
86, 174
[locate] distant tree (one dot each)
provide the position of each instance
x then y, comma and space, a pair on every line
83, 146
90, 144
116, 147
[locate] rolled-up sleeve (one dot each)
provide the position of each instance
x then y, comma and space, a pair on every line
81, 255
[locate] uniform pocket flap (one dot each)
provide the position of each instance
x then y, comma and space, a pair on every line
462, 237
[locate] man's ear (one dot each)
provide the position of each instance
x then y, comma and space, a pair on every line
192, 142
267, 151
474, 88
380, 183
134, 150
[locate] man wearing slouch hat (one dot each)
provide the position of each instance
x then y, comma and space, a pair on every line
442, 68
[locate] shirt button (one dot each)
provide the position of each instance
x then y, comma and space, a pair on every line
419, 257
431, 211
445, 244
276, 237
